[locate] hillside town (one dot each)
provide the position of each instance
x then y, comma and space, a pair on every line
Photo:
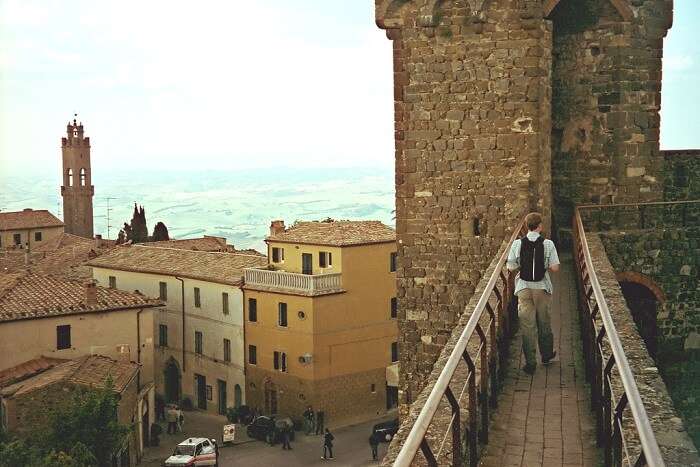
535, 302
194, 324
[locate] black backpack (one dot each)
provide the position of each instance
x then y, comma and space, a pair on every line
532, 259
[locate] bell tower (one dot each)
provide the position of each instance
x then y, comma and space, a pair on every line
77, 190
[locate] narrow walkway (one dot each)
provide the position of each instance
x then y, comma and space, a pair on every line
545, 419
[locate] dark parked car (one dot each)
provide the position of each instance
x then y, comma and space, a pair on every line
270, 429
385, 431
245, 415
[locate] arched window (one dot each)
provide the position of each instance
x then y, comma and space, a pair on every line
82, 177
70, 177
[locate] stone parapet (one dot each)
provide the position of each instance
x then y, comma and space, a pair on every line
671, 435
681, 174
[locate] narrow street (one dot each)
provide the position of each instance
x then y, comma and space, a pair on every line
351, 447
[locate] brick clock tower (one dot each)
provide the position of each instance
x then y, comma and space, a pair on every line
77, 190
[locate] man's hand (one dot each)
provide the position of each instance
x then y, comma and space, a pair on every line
554, 268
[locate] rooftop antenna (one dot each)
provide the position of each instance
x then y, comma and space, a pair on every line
109, 226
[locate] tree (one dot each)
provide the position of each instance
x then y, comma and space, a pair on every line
139, 228
160, 232
90, 419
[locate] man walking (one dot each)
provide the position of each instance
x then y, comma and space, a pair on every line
171, 418
320, 416
534, 256
374, 444
309, 420
285, 438
327, 445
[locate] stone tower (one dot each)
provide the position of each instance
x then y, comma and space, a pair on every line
502, 107
77, 190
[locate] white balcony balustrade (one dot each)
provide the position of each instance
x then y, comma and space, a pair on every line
305, 284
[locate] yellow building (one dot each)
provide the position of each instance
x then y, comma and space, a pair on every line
199, 332
320, 321
28, 228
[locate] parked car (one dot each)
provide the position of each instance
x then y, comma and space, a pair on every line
386, 430
194, 452
270, 429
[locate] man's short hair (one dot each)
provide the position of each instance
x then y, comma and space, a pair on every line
533, 220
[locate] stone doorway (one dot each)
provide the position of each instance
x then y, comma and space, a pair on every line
643, 304
270, 398
173, 378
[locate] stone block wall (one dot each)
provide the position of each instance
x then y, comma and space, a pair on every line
676, 446
472, 127
357, 404
681, 174
606, 86
670, 257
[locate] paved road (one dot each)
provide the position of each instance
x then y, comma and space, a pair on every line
351, 447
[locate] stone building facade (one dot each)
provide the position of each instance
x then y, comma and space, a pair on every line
77, 189
502, 107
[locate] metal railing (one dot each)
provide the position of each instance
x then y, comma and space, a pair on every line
289, 281
603, 351
488, 355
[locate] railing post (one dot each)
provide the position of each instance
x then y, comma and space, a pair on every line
484, 384
473, 424
607, 412
493, 353
456, 435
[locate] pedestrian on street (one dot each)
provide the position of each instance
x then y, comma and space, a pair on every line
172, 418
374, 445
180, 420
327, 445
309, 420
285, 438
320, 420
535, 257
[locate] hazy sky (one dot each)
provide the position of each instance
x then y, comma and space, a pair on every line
229, 83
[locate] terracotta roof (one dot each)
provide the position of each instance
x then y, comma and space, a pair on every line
336, 233
28, 219
205, 243
27, 369
223, 268
64, 255
91, 370
31, 296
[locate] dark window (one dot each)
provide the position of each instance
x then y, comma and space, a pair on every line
279, 361
163, 291
325, 259
282, 314
227, 350
252, 310
392, 261
163, 335
394, 307
252, 355
224, 302
17, 238
63, 337
394, 352
37, 236
198, 346
277, 254
372, 388
112, 282
197, 298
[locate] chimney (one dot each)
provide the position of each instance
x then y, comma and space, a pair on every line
98, 241
276, 227
91, 293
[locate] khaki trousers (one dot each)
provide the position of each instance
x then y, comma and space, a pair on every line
535, 324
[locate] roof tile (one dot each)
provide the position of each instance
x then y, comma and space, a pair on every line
28, 219
336, 233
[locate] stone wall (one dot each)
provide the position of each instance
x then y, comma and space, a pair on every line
606, 86
676, 447
357, 404
681, 174
472, 128
670, 258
